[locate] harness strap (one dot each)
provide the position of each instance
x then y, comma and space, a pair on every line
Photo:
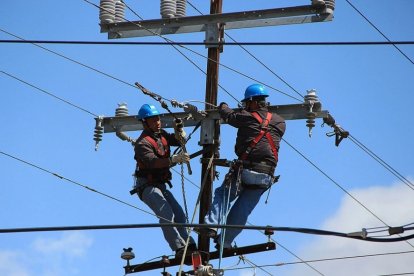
264, 131
165, 152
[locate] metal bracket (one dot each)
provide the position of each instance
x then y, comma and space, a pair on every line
210, 256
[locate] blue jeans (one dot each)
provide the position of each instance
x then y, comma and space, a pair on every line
163, 203
245, 200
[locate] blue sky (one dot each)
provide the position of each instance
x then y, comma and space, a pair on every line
368, 89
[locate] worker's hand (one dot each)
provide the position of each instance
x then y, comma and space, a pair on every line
223, 105
180, 134
180, 158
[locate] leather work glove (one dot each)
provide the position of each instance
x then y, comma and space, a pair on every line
180, 134
179, 129
180, 158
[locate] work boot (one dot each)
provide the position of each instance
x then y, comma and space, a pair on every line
217, 244
180, 252
209, 232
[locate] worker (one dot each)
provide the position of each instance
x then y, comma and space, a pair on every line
152, 174
257, 146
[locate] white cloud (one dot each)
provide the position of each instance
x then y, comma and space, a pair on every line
46, 256
10, 264
394, 205
72, 244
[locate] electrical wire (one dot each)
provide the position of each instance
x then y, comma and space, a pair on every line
382, 162
134, 226
330, 259
332, 180
309, 231
196, 53
337, 184
290, 252
253, 56
378, 30
167, 40
92, 114
203, 182
270, 70
78, 184
235, 43
48, 93
256, 266
71, 59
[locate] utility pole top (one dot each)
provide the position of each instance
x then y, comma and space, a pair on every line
320, 11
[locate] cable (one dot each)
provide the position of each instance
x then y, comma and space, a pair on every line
382, 162
77, 183
256, 266
332, 180
332, 259
201, 55
235, 43
168, 40
360, 13
72, 60
203, 182
309, 231
50, 94
254, 57
338, 185
291, 253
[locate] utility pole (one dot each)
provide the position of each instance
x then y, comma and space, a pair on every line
215, 34
213, 25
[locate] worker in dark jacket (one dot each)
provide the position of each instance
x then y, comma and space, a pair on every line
152, 153
257, 145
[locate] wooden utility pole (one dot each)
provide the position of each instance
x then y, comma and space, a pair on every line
210, 98
213, 26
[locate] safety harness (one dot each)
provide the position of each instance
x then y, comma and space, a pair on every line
264, 131
244, 163
154, 176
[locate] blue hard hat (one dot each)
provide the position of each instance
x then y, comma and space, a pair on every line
146, 111
255, 90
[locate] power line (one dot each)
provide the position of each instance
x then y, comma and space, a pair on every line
75, 182
309, 231
338, 185
70, 59
333, 181
292, 253
382, 162
253, 56
253, 265
333, 259
189, 43
48, 93
201, 55
378, 30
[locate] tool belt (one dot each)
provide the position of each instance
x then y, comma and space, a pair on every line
260, 167
153, 179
